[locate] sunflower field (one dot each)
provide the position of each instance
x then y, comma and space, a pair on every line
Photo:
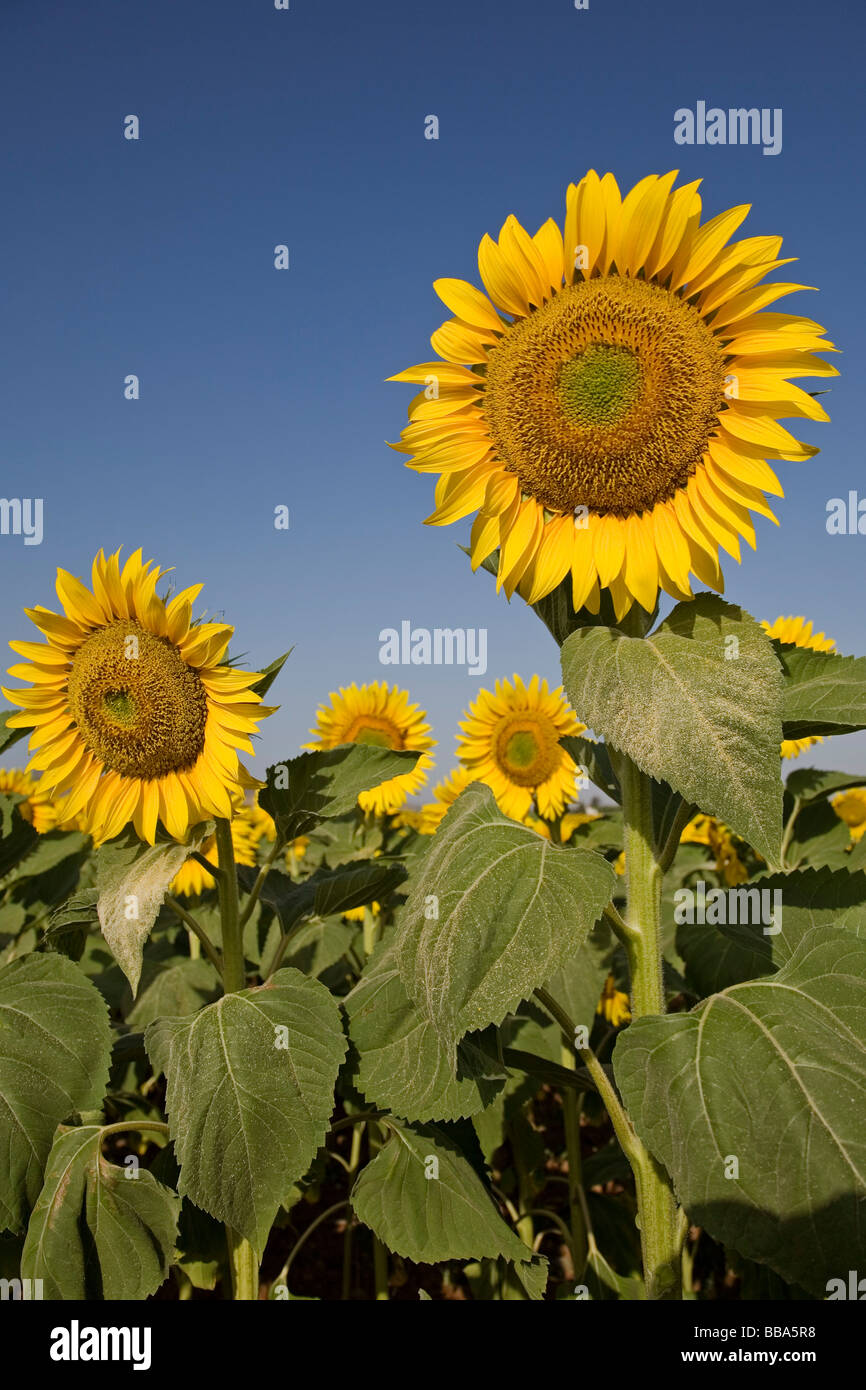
582, 1017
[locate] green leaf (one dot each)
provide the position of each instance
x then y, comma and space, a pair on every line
402, 1065
97, 1231
8, 736
493, 912
810, 784
71, 923
132, 880
173, 987
824, 693
55, 1049
426, 1202
319, 785
771, 1074
578, 984
51, 850
250, 1090
690, 713
594, 758
328, 892
739, 949
270, 673
17, 836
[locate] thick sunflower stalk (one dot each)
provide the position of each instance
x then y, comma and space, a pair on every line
606, 411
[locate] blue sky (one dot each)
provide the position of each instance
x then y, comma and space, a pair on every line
262, 388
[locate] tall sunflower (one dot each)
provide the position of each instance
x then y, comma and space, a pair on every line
380, 715
37, 807
511, 741
798, 632
608, 407
134, 715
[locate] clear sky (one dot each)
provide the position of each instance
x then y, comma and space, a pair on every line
262, 388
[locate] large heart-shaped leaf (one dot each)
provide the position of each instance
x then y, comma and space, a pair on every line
493, 912
55, 1049
754, 1103
695, 704
250, 1089
425, 1201
402, 1064
98, 1231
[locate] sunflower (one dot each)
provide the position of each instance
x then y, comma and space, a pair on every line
572, 820
850, 806
134, 716
613, 1004
797, 632
193, 878
706, 830
357, 914
37, 807
380, 715
510, 740
608, 407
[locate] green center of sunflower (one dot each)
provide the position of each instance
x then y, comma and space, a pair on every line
606, 396
370, 729
521, 750
600, 385
138, 706
527, 749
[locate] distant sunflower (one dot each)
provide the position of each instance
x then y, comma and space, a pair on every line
380, 715
572, 820
613, 1004
135, 717
511, 741
37, 807
193, 878
706, 830
608, 407
798, 632
850, 806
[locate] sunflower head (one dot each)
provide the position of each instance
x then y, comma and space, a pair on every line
382, 716
37, 807
511, 741
135, 716
607, 408
798, 632
850, 806
613, 1004
706, 830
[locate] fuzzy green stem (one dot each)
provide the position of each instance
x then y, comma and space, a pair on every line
380, 1254
657, 1209
571, 1102
234, 973
244, 1267
242, 1258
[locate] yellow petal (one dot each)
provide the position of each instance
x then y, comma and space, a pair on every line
469, 304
